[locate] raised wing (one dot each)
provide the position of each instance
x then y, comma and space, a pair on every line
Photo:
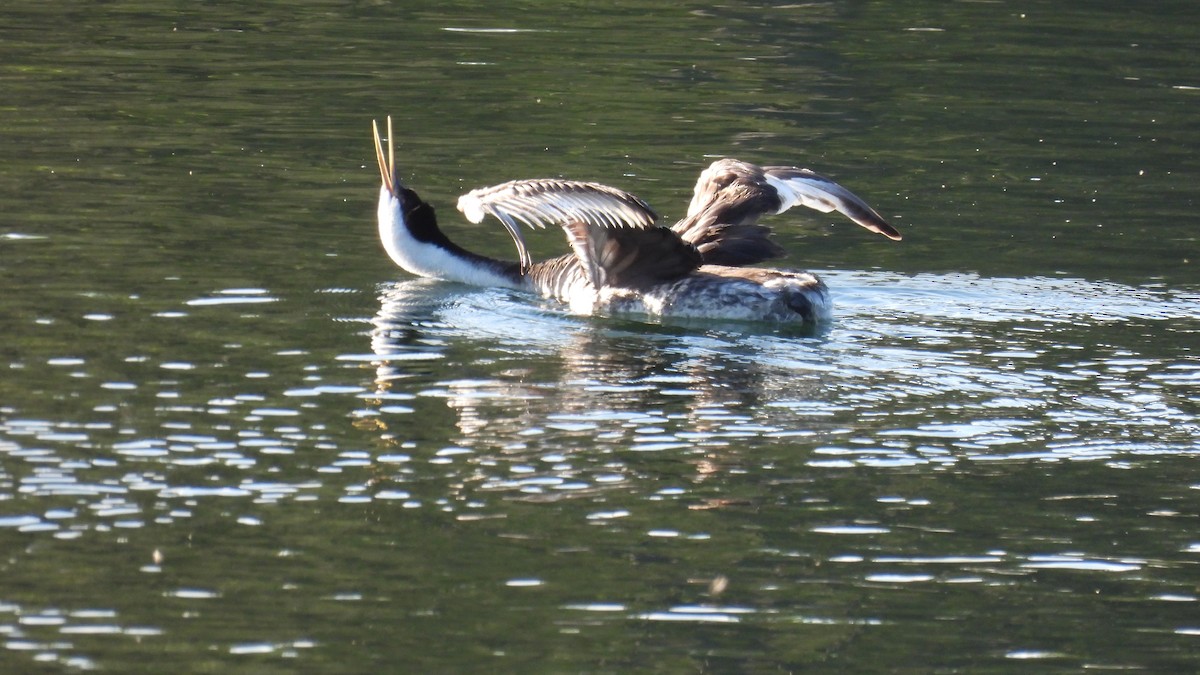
548, 201
731, 195
808, 188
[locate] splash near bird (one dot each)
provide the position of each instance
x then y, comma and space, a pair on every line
623, 263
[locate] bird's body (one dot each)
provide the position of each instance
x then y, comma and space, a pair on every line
708, 292
622, 263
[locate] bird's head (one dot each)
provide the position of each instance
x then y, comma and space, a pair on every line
403, 214
396, 202
408, 226
399, 207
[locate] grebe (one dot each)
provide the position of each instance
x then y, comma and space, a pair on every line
624, 264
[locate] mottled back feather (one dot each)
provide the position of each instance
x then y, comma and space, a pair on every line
630, 258
735, 245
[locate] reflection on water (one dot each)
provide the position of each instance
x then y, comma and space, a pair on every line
917, 371
219, 447
966, 369
471, 403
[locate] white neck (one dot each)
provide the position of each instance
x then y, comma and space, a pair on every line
428, 259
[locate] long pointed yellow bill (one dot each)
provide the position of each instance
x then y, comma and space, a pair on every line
387, 171
387, 164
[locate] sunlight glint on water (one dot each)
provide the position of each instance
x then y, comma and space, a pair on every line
229, 438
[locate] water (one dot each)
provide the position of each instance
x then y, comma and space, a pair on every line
233, 438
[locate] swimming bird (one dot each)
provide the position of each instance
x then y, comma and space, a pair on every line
623, 263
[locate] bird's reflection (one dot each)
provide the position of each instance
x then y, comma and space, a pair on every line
509, 390
519, 381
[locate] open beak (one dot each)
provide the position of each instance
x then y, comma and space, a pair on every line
387, 165
387, 171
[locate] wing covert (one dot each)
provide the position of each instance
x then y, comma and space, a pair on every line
540, 202
629, 257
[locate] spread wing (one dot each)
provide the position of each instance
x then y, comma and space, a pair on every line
541, 202
808, 188
731, 195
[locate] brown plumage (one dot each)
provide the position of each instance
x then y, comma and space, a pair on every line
622, 262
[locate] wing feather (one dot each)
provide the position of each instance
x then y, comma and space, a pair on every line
731, 195
805, 187
542, 202
630, 257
